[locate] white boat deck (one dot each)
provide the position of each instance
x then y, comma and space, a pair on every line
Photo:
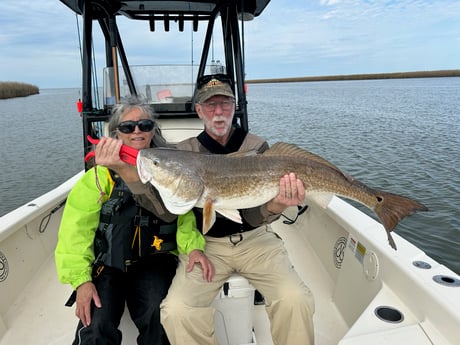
32, 300
38, 316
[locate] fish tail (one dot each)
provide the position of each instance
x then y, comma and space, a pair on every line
392, 208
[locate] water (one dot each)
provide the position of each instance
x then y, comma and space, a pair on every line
400, 136
41, 145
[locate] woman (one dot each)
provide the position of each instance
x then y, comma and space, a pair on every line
112, 251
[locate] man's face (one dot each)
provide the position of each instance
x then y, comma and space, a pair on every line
217, 114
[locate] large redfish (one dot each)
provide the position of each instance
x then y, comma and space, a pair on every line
226, 183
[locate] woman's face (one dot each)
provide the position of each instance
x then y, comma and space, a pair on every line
136, 139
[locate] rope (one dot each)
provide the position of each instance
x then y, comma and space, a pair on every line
79, 39
93, 70
98, 185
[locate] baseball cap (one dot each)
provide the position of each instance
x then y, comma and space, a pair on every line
212, 85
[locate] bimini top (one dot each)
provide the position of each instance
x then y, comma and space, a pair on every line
142, 9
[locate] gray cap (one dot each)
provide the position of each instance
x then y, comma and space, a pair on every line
213, 85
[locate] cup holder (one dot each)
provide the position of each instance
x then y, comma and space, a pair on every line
447, 280
389, 314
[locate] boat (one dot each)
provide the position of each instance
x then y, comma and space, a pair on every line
365, 292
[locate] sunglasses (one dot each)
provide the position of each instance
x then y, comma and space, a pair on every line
202, 81
129, 126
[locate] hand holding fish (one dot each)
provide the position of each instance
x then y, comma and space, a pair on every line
108, 155
198, 257
292, 193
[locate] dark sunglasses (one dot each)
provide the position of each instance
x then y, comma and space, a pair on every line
202, 81
129, 126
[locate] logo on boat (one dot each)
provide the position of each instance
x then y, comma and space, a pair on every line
339, 251
3, 267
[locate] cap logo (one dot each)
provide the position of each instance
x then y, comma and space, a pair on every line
213, 83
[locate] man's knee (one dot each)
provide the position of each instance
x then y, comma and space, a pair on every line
294, 297
169, 309
301, 297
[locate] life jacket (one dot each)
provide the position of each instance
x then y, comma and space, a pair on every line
128, 232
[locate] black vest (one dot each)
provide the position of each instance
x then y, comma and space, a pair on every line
128, 232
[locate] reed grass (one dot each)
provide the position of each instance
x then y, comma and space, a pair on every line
10, 89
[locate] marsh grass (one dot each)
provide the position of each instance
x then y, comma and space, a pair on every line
397, 75
10, 89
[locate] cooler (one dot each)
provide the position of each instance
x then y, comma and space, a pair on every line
234, 312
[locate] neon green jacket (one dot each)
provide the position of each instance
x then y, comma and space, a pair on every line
188, 236
74, 254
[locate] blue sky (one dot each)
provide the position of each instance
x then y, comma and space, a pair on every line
292, 38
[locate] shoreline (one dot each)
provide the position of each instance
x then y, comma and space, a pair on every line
396, 75
12, 89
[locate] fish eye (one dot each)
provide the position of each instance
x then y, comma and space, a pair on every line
156, 162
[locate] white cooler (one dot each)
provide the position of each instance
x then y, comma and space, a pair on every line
234, 312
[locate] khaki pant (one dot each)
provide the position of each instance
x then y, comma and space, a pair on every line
187, 313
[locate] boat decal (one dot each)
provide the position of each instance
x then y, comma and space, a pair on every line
3, 267
339, 251
358, 249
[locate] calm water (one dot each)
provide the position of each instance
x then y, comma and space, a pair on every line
41, 145
401, 136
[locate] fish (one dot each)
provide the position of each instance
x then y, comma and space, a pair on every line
225, 183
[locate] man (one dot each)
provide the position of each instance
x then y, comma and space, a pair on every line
250, 249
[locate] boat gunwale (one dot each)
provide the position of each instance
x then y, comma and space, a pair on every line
24, 214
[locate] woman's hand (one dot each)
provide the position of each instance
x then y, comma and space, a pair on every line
86, 293
108, 155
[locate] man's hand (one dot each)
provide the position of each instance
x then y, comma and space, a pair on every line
198, 257
292, 193
86, 293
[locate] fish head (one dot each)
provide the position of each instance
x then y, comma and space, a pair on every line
174, 174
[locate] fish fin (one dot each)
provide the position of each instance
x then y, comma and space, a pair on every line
209, 216
321, 199
281, 148
231, 214
392, 208
243, 153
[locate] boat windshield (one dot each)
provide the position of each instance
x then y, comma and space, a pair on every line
158, 84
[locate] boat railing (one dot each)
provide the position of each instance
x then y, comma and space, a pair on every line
23, 215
